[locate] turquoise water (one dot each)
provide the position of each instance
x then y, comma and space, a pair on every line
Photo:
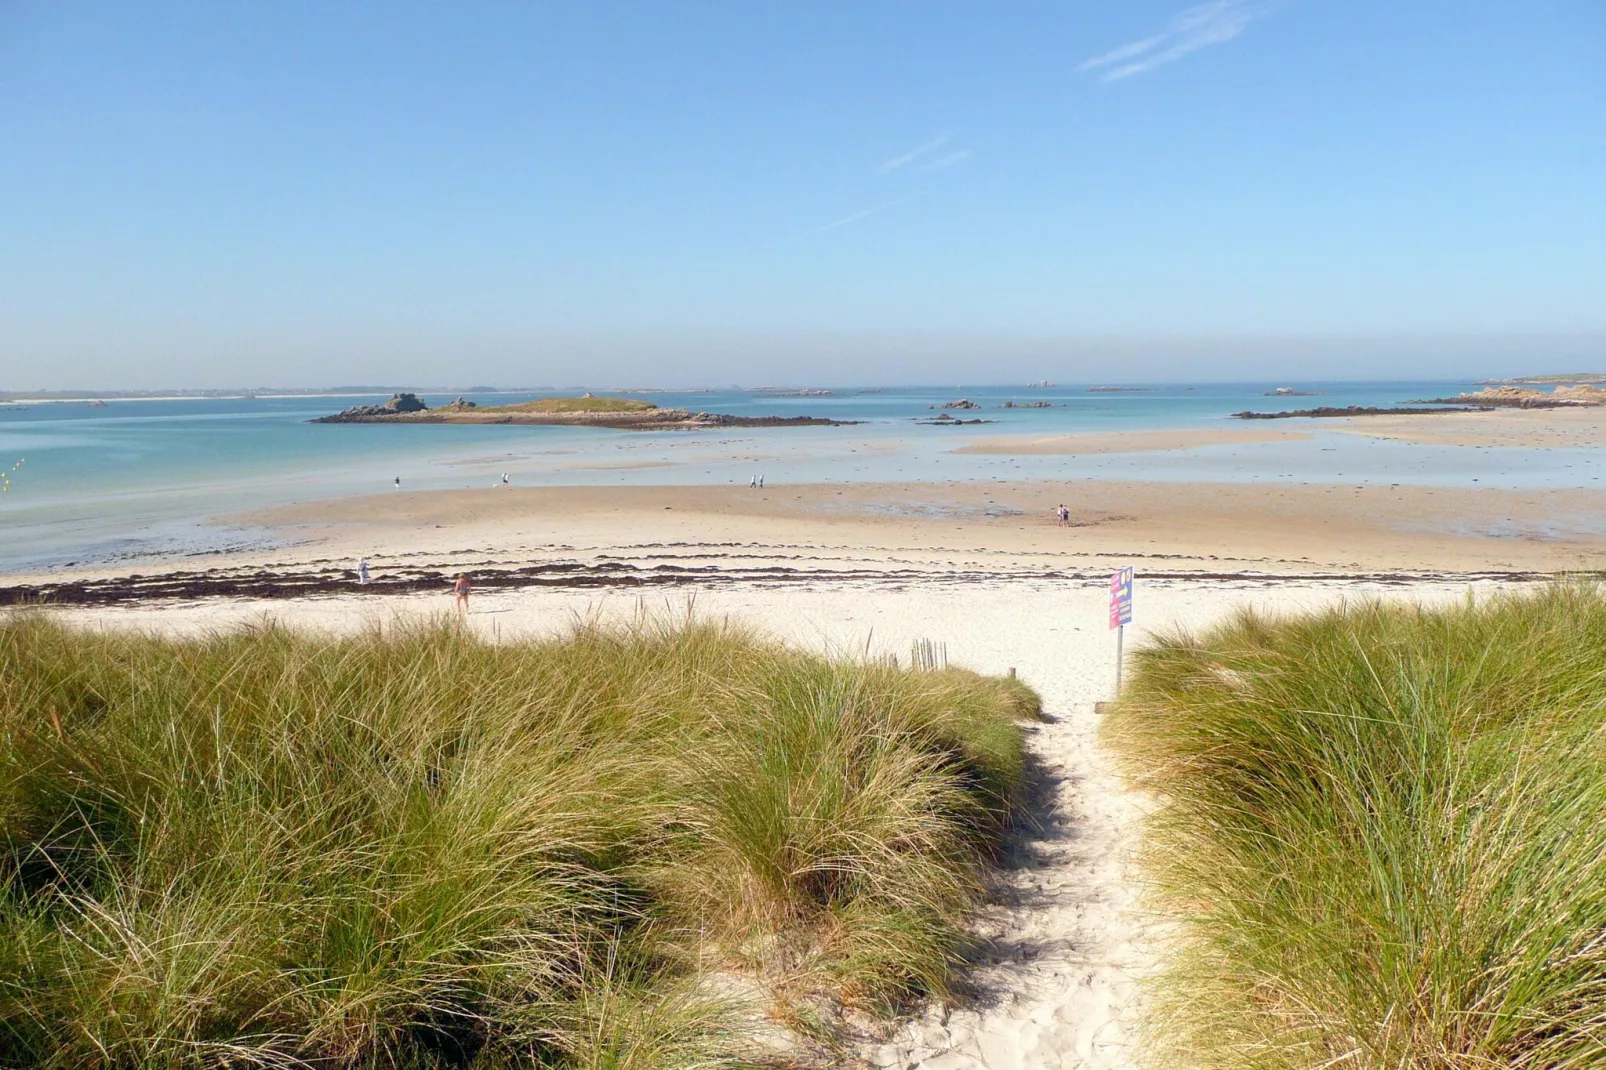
140, 478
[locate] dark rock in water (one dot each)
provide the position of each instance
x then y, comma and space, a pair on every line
398, 403
944, 420
1354, 410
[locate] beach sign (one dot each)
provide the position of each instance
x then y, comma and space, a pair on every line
1121, 598
1120, 616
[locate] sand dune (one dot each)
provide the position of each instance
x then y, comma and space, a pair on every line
1065, 940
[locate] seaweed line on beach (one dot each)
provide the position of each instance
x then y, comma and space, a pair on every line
272, 584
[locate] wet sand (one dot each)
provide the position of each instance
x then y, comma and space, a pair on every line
1123, 442
1580, 428
1273, 528
645, 537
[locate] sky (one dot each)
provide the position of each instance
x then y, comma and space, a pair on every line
683, 193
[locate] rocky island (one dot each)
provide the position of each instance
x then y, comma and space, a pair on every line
621, 414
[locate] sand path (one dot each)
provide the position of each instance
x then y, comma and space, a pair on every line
1064, 939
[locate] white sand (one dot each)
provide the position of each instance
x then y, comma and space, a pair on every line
1067, 938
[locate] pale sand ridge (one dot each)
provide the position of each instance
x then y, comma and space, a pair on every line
1125, 441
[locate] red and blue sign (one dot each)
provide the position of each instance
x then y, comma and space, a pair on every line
1121, 598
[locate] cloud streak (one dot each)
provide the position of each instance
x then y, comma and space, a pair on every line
856, 216
949, 160
915, 153
1189, 31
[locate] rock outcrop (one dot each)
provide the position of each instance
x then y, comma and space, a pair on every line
398, 404
1511, 397
1353, 410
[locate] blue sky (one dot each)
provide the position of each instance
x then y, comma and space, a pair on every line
307, 193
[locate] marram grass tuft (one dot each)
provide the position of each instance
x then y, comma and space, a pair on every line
1382, 835
416, 849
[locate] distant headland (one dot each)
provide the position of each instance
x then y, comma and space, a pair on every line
621, 414
1581, 395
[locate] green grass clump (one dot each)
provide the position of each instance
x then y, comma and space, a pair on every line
585, 404
1383, 835
416, 849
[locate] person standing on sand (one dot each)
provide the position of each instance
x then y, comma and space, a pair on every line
752, 484
760, 482
460, 589
398, 482
362, 570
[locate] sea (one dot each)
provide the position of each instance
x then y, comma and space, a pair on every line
126, 480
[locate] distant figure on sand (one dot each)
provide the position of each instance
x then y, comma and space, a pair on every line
504, 479
1063, 514
460, 588
398, 482
753, 483
760, 482
362, 571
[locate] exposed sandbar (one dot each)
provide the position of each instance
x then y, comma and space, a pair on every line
1574, 427
1124, 441
975, 533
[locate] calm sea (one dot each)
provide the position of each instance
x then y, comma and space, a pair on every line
138, 478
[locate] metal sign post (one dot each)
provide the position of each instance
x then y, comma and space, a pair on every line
1120, 616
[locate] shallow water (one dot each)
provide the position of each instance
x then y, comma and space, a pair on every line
137, 478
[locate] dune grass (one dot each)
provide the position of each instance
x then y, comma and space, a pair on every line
411, 848
585, 404
1383, 835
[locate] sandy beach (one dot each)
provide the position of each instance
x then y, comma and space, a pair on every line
868, 569
956, 531
1065, 940
1571, 428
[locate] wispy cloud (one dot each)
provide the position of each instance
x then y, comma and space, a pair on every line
1198, 27
915, 153
856, 216
947, 161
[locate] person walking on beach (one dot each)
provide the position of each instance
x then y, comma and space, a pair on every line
504, 479
1063, 514
760, 482
398, 482
752, 484
460, 589
362, 570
